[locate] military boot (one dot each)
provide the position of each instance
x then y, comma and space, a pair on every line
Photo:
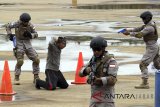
16, 80
36, 76
37, 83
144, 85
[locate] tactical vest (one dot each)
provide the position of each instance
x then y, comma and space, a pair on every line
100, 68
151, 36
20, 29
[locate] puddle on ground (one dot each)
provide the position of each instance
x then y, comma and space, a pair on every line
70, 53
139, 106
69, 59
6, 4
16, 97
120, 6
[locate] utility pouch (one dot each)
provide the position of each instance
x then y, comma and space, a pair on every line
15, 52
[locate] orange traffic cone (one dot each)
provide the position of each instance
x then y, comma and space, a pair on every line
78, 79
6, 97
6, 85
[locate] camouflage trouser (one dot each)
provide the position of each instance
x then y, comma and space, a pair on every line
102, 105
32, 55
15, 52
148, 57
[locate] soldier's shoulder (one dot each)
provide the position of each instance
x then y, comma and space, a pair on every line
109, 56
150, 25
11, 24
16, 22
30, 24
150, 28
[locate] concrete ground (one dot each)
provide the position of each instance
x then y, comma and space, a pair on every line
78, 95
75, 95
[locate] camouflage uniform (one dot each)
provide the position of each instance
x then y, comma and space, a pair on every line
107, 71
23, 45
150, 36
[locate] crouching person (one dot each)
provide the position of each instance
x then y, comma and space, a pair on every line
102, 71
54, 77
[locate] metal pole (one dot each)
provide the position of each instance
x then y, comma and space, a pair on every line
74, 3
157, 89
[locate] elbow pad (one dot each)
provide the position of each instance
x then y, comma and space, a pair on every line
139, 35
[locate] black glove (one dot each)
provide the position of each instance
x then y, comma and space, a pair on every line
27, 34
11, 36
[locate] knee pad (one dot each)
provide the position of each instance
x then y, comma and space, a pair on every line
19, 62
143, 66
36, 61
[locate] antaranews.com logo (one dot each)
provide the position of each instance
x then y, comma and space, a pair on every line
129, 96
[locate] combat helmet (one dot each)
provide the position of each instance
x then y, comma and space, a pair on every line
25, 17
98, 43
146, 16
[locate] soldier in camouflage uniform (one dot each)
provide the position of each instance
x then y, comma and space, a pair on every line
24, 32
149, 33
102, 70
54, 77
